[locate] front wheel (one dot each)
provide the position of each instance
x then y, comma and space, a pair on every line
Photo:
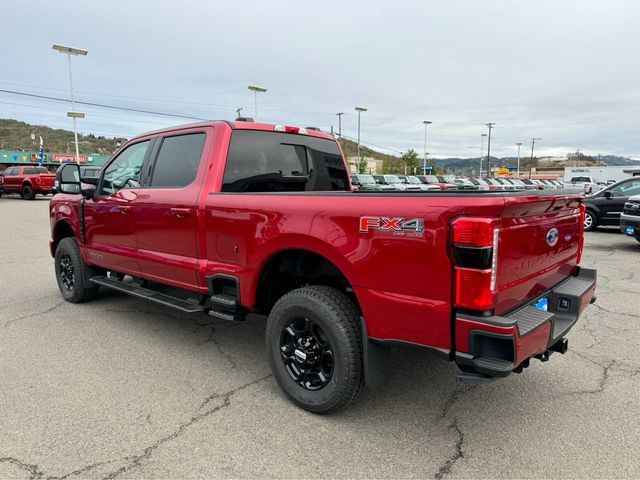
314, 345
590, 221
72, 274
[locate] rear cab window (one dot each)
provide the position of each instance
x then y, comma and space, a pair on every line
260, 161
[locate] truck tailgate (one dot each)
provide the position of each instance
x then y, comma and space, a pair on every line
539, 244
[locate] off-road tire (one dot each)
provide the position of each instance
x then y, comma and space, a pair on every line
339, 320
28, 193
68, 252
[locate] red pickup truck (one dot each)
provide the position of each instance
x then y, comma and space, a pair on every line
27, 181
232, 218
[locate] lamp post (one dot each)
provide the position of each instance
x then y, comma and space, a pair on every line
533, 143
256, 90
519, 144
490, 126
359, 110
481, 152
424, 157
72, 114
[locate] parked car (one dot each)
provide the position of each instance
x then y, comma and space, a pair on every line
606, 206
232, 218
482, 184
411, 185
435, 180
365, 183
28, 181
630, 218
390, 182
465, 184
589, 184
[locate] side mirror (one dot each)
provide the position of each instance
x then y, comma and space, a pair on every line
68, 179
608, 194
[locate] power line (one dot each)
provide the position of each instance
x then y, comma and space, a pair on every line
102, 105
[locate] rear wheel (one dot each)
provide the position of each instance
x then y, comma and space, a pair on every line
590, 221
315, 348
72, 274
28, 193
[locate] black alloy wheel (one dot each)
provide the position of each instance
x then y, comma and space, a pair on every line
307, 354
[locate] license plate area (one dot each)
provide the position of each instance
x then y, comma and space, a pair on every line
542, 304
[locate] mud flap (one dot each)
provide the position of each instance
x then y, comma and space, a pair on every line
375, 360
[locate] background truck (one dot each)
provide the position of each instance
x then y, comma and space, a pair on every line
232, 218
27, 181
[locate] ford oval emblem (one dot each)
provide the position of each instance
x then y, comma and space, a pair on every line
552, 237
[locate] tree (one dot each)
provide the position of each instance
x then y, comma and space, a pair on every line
362, 168
411, 161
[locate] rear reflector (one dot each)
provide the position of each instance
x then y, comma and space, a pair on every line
581, 218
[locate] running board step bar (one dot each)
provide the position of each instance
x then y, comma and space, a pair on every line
148, 294
228, 316
223, 301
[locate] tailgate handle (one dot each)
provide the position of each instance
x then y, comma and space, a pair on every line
180, 212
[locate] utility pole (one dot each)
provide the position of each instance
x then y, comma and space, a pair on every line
359, 110
533, 143
238, 110
490, 125
481, 152
519, 144
424, 157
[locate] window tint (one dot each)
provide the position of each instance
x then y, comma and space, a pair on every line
273, 162
178, 160
627, 189
31, 171
124, 171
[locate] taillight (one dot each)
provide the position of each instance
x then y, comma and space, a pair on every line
583, 214
475, 249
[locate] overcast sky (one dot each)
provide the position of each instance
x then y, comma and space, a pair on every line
565, 71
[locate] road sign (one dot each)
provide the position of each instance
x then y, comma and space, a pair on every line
428, 168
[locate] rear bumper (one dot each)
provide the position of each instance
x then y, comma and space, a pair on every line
630, 221
495, 346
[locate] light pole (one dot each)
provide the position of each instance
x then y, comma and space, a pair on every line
519, 144
533, 144
73, 114
256, 90
482, 151
339, 114
359, 110
424, 158
490, 125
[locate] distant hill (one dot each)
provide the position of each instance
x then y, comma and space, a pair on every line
15, 135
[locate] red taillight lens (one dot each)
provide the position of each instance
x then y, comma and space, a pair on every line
474, 232
583, 214
472, 289
290, 129
475, 247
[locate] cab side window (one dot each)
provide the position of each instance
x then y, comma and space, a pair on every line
124, 171
178, 160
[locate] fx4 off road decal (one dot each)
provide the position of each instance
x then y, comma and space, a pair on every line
398, 226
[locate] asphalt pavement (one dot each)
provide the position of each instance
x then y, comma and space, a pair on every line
120, 388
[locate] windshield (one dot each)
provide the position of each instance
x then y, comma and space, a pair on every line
413, 180
392, 179
580, 179
429, 179
366, 180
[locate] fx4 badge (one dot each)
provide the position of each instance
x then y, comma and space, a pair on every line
397, 226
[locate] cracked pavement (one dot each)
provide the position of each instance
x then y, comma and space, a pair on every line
118, 388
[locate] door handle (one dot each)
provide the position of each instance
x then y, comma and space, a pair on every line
180, 212
124, 210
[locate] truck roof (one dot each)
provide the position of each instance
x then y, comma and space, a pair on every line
241, 125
